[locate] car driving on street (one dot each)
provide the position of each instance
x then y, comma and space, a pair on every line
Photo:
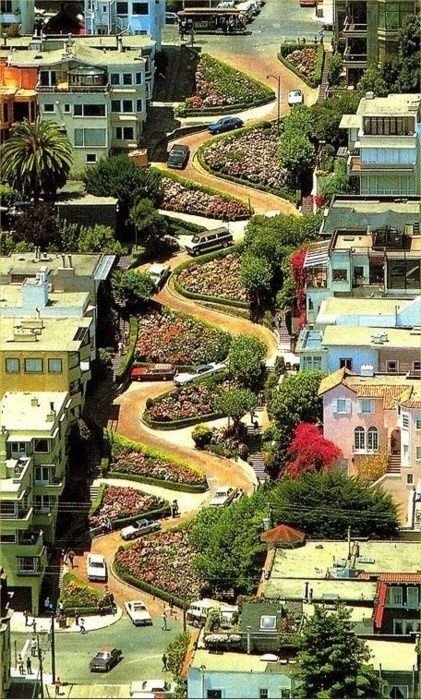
295, 97
136, 610
105, 658
225, 124
139, 528
199, 372
159, 274
178, 156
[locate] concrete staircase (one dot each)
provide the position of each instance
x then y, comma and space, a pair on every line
254, 442
394, 464
324, 85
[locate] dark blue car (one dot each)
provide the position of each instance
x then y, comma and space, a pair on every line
225, 124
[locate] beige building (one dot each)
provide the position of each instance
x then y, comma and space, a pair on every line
95, 88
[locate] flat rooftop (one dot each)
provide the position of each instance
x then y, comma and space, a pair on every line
367, 214
392, 656
392, 105
56, 334
11, 297
363, 336
339, 306
27, 411
96, 41
312, 562
236, 662
84, 265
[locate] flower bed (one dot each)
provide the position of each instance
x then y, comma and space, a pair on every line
162, 560
220, 85
179, 339
218, 278
250, 156
137, 460
305, 61
191, 401
120, 502
182, 195
77, 595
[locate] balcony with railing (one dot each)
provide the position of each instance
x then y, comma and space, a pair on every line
31, 543
16, 514
53, 486
354, 26
355, 56
32, 565
17, 477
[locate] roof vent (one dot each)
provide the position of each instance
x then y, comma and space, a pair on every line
367, 371
369, 95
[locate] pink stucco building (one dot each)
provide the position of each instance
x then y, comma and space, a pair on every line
366, 415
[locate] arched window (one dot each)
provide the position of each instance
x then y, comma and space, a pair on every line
359, 438
373, 439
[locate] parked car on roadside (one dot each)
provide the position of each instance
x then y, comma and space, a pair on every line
178, 156
96, 568
159, 274
225, 124
105, 658
205, 241
199, 372
152, 689
223, 496
139, 528
136, 610
152, 373
295, 97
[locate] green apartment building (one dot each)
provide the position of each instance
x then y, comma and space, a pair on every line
367, 31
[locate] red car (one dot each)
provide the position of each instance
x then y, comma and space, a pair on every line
152, 373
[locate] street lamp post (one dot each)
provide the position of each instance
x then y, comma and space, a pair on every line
278, 81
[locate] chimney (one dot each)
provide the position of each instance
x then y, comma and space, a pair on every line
3, 455
70, 261
369, 95
120, 43
63, 260
34, 402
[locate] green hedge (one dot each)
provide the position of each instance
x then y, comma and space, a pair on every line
229, 310
183, 111
201, 260
192, 185
177, 424
85, 612
96, 503
163, 512
172, 485
129, 354
120, 441
121, 573
287, 48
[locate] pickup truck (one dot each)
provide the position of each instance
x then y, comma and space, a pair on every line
140, 527
224, 496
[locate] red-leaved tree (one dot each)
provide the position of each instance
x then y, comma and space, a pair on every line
309, 451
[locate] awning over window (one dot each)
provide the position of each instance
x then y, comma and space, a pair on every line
379, 604
317, 256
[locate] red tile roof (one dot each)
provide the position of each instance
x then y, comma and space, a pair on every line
393, 577
379, 603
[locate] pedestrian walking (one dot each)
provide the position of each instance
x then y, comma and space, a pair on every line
164, 622
164, 662
34, 625
33, 646
71, 556
20, 666
47, 603
82, 628
57, 686
26, 615
120, 347
28, 665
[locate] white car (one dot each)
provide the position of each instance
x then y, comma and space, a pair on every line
159, 274
150, 689
96, 567
295, 97
199, 372
222, 497
140, 527
136, 610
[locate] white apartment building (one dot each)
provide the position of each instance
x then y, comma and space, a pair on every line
95, 88
128, 16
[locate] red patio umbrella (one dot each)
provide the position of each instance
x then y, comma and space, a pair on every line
283, 536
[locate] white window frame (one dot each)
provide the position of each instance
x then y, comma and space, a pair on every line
12, 361
418, 423
395, 363
372, 439
360, 442
346, 406
365, 406
34, 569
409, 479
405, 421
418, 453
49, 111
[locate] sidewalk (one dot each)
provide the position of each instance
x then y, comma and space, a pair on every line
43, 624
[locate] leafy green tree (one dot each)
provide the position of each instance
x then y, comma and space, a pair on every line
297, 155
325, 504
8, 196
38, 226
150, 225
328, 114
256, 276
295, 401
176, 652
339, 182
374, 81
227, 541
332, 660
299, 119
245, 359
131, 290
235, 403
36, 159
118, 176
99, 239
335, 68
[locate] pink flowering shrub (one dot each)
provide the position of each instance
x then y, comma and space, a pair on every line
122, 502
219, 278
192, 200
163, 560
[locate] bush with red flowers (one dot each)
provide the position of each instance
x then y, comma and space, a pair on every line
122, 502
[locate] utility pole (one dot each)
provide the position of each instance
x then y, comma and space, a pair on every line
53, 648
184, 620
278, 82
41, 674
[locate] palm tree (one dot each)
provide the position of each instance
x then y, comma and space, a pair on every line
36, 158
